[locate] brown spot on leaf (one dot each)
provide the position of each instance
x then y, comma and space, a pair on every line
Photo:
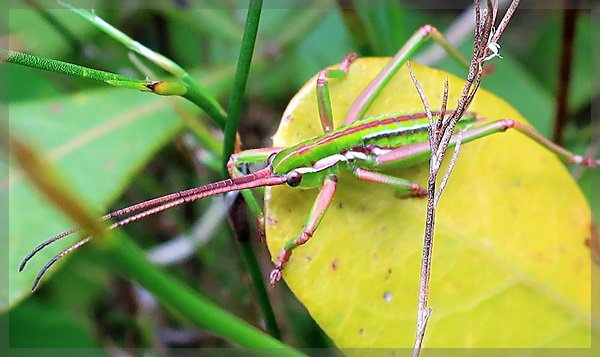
388, 273
361, 331
334, 264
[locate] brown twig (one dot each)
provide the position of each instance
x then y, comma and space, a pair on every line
564, 71
441, 132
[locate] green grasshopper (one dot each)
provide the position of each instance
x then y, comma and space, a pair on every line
366, 147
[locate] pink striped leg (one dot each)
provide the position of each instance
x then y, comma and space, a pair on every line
315, 216
412, 152
404, 187
416, 41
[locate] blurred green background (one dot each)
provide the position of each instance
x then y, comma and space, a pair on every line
83, 305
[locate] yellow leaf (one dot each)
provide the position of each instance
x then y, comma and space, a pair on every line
510, 263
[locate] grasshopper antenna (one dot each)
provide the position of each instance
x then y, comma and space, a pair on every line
51, 262
262, 177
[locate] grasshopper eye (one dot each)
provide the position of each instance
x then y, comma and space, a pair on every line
293, 178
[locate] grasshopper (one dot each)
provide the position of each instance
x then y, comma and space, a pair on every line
365, 146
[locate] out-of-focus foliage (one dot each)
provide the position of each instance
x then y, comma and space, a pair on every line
296, 39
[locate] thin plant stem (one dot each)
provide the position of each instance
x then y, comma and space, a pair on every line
441, 133
450, 167
195, 93
56, 66
234, 112
57, 25
241, 77
203, 133
591, 151
164, 87
130, 260
564, 71
238, 215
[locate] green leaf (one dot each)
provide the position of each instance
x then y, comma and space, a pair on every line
32, 325
27, 84
510, 264
99, 140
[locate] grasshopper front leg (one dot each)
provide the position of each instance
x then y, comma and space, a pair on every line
323, 97
404, 188
315, 217
251, 157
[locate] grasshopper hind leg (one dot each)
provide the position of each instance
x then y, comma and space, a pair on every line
322, 88
404, 188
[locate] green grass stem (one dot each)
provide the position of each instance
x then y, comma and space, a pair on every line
241, 77
195, 93
123, 255
234, 111
71, 69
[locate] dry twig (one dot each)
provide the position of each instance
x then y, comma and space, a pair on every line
441, 132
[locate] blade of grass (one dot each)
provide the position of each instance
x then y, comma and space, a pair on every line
234, 109
241, 77
117, 80
130, 260
195, 93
